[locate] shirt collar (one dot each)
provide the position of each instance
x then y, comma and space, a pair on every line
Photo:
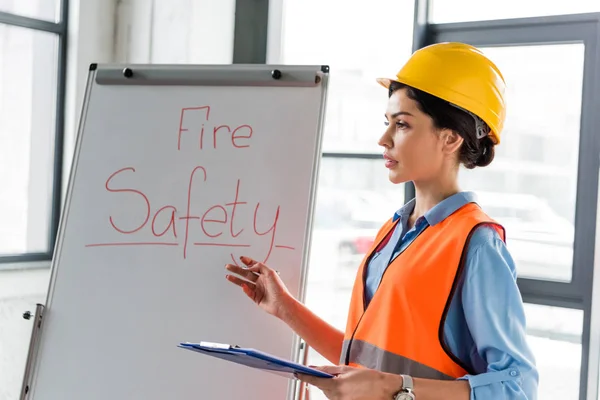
405, 210
440, 211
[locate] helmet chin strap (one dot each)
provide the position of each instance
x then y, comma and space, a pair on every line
481, 128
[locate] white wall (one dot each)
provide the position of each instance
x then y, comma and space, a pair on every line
142, 31
175, 31
91, 39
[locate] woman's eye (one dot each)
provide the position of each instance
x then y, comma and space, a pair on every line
399, 124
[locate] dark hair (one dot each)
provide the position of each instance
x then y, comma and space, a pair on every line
474, 152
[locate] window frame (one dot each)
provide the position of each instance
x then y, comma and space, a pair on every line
59, 28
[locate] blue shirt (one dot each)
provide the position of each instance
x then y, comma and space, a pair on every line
485, 324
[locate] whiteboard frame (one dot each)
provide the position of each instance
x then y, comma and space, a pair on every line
189, 75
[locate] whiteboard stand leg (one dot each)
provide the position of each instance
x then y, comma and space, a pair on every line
303, 393
33, 341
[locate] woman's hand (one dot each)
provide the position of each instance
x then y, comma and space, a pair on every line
262, 285
355, 383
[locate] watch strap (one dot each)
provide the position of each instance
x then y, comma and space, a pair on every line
407, 383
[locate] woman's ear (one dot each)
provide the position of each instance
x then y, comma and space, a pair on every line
451, 141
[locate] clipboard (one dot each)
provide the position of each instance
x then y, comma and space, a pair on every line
252, 358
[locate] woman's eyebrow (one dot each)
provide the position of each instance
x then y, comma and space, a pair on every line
397, 114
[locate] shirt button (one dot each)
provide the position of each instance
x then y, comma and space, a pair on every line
513, 373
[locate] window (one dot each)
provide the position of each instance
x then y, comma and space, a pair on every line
28, 79
41, 9
554, 335
32, 76
352, 204
474, 10
359, 44
538, 156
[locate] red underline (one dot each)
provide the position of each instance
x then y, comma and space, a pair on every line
285, 247
221, 244
132, 244
176, 244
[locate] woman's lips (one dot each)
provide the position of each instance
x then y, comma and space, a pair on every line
389, 162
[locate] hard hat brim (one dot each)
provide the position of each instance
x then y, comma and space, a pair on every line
385, 82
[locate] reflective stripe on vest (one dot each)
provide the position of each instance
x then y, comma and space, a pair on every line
402, 329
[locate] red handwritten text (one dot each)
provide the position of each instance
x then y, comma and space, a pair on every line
216, 221
196, 121
130, 191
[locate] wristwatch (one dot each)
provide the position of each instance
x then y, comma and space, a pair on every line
406, 393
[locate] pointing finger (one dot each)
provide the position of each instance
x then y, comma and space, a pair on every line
256, 266
261, 268
240, 282
248, 261
245, 272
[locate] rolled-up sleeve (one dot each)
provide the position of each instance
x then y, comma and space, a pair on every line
493, 309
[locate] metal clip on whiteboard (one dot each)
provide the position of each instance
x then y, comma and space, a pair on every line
33, 341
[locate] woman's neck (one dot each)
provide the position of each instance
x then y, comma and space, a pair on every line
429, 194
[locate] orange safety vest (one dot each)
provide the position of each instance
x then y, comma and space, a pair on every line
402, 329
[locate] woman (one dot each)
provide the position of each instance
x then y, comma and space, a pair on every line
435, 312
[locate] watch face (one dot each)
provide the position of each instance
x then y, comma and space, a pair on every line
405, 396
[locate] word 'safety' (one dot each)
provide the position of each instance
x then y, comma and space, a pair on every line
217, 224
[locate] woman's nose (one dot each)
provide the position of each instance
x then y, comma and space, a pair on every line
384, 140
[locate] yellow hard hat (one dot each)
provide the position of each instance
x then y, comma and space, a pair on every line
460, 74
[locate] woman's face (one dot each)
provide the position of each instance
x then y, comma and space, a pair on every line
413, 149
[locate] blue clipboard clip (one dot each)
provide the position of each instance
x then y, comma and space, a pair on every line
252, 358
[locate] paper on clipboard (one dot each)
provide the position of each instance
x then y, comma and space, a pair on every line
252, 358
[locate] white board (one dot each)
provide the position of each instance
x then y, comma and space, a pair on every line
178, 171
